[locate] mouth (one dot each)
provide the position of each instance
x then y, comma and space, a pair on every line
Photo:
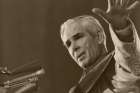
81, 56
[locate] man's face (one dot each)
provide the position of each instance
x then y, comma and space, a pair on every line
82, 46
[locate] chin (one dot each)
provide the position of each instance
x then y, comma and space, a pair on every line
87, 64
84, 65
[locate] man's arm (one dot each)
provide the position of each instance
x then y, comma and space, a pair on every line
123, 32
126, 42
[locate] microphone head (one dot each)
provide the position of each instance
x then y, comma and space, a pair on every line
40, 72
4, 71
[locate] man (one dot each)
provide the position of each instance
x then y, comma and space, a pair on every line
85, 40
126, 42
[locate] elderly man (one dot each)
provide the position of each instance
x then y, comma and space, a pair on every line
85, 41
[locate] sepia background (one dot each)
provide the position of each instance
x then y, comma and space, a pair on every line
29, 30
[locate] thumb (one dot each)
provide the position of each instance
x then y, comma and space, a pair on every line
102, 14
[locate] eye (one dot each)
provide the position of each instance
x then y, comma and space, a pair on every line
78, 36
68, 43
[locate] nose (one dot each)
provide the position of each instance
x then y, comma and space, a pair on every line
75, 47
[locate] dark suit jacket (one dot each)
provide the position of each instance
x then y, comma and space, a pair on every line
97, 79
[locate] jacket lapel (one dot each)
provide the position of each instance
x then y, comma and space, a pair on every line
95, 72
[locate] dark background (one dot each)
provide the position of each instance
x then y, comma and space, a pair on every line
29, 29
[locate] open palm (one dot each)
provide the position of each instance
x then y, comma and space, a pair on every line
117, 13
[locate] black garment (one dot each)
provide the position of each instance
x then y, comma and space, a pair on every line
98, 78
104, 82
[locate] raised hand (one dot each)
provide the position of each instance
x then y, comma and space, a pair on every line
117, 13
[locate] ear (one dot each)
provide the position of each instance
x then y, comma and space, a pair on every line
100, 37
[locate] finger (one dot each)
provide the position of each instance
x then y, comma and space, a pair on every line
126, 2
123, 2
133, 6
118, 3
102, 14
111, 3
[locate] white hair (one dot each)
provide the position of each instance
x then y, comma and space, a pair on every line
87, 21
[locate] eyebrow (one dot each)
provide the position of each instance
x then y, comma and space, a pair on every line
76, 36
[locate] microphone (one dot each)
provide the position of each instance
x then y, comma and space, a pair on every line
25, 79
30, 67
29, 88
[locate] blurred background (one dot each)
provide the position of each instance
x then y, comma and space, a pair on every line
29, 30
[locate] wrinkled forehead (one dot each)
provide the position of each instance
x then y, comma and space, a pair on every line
70, 29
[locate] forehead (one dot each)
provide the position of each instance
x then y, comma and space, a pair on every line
72, 29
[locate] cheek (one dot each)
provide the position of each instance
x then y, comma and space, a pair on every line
70, 53
92, 48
